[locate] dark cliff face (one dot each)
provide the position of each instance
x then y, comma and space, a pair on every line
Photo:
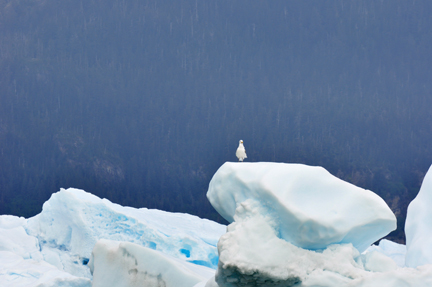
142, 101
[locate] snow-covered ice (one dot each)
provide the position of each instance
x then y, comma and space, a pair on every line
418, 225
125, 264
313, 209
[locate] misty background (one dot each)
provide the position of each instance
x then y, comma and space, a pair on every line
141, 101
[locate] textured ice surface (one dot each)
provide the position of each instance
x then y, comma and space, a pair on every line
124, 264
16, 240
73, 220
392, 250
418, 226
376, 261
312, 208
402, 277
17, 271
252, 253
21, 262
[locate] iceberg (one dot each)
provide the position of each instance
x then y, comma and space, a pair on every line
72, 221
252, 253
297, 225
54, 247
80, 240
312, 208
418, 228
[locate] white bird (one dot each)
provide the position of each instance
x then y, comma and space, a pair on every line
241, 151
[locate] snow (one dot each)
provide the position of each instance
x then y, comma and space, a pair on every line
124, 264
313, 209
418, 227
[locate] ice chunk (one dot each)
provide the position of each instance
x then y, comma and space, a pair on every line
391, 249
418, 227
73, 220
251, 254
378, 262
312, 208
406, 277
11, 221
16, 240
127, 264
